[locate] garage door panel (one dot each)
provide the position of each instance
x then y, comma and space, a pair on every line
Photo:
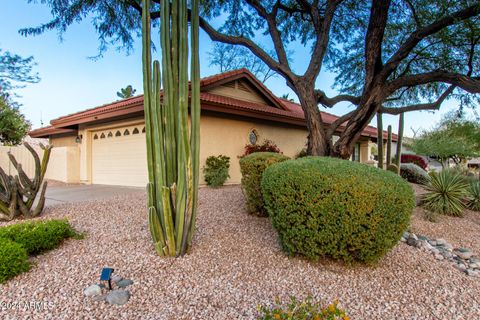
120, 160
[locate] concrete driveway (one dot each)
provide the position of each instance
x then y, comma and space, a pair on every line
78, 193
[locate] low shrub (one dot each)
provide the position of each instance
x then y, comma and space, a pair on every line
413, 173
252, 168
445, 193
392, 168
301, 310
473, 199
415, 159
13, 259
301, 154
216, 170
324, 206
38, 236
266, 146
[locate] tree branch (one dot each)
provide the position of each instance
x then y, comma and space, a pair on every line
337, 123
424, 32
330, 102
422, 106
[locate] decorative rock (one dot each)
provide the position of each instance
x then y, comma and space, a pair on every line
412, 235
475, 265
433, 242
118, 297
472, 273
93, 290
463, 253
460, 266
439, 257
124, 283
435, 250
116, 278
441, 242
412, 242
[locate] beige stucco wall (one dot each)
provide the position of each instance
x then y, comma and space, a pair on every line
229, 136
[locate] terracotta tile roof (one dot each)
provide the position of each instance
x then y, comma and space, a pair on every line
282, 110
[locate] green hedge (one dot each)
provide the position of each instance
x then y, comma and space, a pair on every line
38, 236
252, 168
13, 259
330, 207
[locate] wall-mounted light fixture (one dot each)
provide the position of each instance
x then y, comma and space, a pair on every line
78, 139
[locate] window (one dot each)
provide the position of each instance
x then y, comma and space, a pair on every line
356, 153
118, 134
110, 134
253, 136
126, 132
135, 131
102, 136
95, 137
143, 130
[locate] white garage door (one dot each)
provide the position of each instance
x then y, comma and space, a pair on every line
119, 156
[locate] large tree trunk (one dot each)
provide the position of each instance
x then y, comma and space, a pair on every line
319, 143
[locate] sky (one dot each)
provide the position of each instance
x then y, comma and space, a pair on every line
71, 81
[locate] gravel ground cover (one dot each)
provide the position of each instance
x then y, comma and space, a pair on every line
236, 263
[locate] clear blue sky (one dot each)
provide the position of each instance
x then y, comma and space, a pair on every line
72, 82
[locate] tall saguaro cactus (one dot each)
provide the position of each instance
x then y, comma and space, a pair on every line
389, 145
398, 157
172, 144
380, 140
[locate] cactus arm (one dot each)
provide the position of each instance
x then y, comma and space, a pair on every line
37, 178
400, 140
380, 140
41, 202
389, 146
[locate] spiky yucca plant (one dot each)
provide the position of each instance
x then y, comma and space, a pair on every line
474, 196
172, 144
446, 193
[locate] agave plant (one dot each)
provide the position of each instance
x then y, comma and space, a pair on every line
172, 144
473, 199
446, 193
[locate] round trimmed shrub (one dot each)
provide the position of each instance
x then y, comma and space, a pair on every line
413, 173
252, 168
346, 210
13, 259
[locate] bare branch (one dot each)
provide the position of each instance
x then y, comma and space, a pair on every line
422, 106
337, 123
330, 102
424, 32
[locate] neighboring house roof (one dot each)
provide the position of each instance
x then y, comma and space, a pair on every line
274, 109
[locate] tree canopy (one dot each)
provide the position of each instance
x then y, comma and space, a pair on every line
126, 92
15, 70
453, 138
389, 56
13, 125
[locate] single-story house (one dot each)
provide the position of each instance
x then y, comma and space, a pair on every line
106, 144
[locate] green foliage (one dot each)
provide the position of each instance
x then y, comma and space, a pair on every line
13, 70
39, 236
474, 196
266, 146
392, 168
301, 310
446, 192
252, 168
126, 92
13, 125
13, 259
413, 173
453, 138
330, 207
302, 153
216, 170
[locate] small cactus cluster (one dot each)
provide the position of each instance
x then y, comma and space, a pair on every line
390, 167
18, 193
